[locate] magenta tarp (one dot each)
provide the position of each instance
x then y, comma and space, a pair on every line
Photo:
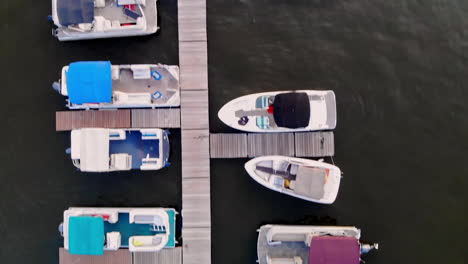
334, 250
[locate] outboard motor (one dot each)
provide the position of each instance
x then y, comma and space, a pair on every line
56, 87
365, 248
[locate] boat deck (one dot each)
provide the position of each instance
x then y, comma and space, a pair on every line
284, 250
136, 147
168, 84
127, 229
113, 12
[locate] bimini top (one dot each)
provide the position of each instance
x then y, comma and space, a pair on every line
72, 12
334, 250
86, 235
89, 82
291, 110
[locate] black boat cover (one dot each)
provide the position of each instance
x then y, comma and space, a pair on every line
291, 110
72, 12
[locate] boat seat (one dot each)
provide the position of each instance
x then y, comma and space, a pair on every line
99, 3
132, 98
113, 240
293, 260
121, 161
263, 122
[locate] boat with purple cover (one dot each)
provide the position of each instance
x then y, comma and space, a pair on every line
283, 244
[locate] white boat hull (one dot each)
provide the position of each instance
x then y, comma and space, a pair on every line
323, 112
331, 187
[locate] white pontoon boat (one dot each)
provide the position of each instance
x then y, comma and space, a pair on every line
100, 85
91, 19
104, 150
283, 244
91, 231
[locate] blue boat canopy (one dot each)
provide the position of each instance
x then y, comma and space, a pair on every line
89, 82
72, 12
86, 235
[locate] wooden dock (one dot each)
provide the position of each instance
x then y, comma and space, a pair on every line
243, 145
193, 57
135, 118
165, 256
124, 256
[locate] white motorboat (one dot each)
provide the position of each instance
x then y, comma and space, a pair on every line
285, 111
306, 179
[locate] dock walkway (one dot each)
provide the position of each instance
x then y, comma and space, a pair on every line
193, 59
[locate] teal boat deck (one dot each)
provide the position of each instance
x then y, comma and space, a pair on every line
127, 229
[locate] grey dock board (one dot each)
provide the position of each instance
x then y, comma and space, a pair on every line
318, 144
196, 245
192, 20
194, 114
68, 120
196, 211
193, 60
165, 256
242, 145
121, 256
270, 144
195, 154
161, 118
228, 145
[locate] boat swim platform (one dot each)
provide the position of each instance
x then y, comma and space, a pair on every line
126, 118
249, 145
124, 256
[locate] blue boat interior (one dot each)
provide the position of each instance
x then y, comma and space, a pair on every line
134, 145
127, 229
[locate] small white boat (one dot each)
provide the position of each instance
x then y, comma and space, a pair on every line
104, 150
283, 244
100, 85
92, 19
91, 231
285, 111
306, 179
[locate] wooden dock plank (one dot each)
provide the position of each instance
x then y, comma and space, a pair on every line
195, 154
194, 113
315, 144
192, 20
121, 256
165, 256
270, 144
68, 120
196, 212
197, 245
161, 118
193, 57
228, 145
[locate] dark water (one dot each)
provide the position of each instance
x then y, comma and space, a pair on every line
398, 69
